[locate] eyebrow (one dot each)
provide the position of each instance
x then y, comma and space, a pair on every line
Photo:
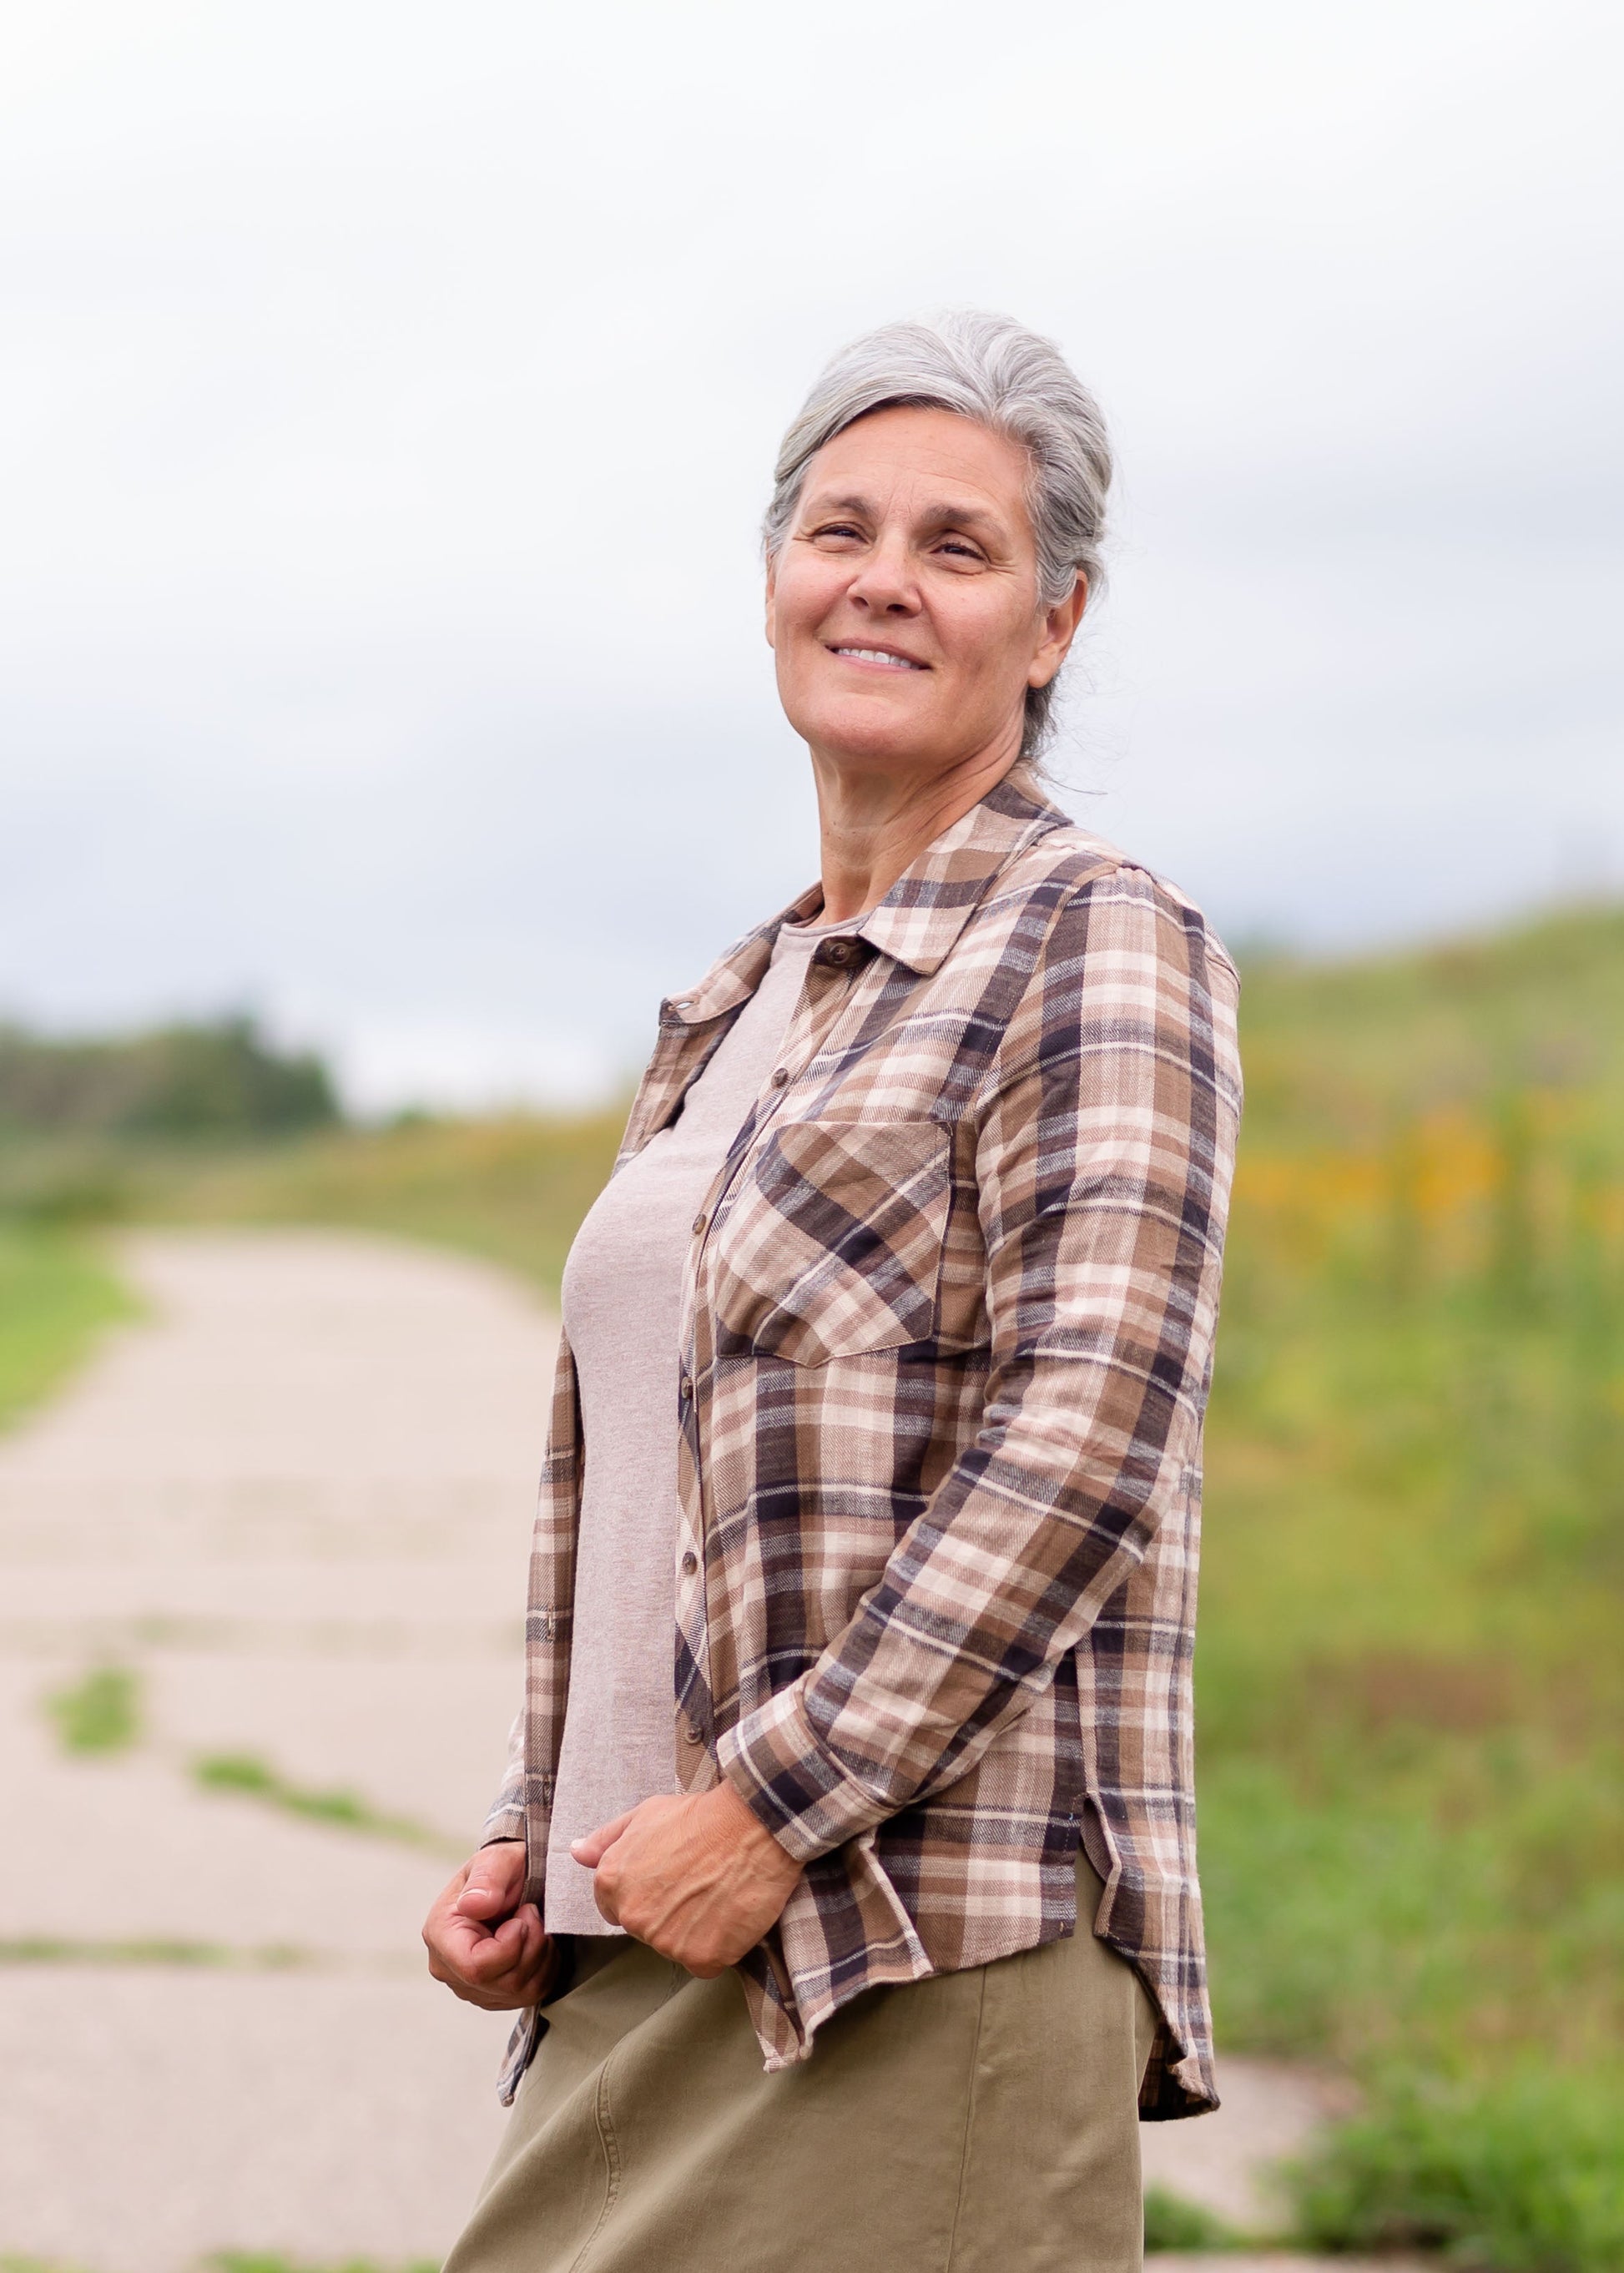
941, 516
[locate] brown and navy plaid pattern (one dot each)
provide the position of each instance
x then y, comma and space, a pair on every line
946, 1341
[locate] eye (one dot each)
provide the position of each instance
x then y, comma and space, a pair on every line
838, 528
961, 548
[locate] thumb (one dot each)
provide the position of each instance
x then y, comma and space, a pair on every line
495, 1877
591, 1850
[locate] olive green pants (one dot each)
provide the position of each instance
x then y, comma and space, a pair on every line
977, 2122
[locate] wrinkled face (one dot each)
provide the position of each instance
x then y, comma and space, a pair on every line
903, 607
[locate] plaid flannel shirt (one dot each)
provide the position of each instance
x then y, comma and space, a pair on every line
946, 1340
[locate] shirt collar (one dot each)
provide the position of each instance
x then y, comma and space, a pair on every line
919, 918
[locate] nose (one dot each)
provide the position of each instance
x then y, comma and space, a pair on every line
884, 583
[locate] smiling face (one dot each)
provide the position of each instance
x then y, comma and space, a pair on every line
903, 607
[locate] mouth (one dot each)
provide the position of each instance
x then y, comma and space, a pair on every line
878, 658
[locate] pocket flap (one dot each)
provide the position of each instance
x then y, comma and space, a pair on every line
834, 1246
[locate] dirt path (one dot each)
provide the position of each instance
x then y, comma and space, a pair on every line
294, 1501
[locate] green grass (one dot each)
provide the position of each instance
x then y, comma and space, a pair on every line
247, 1776
1521, 2175
239, 2261
248, 2260
56, 1949
1409, 1683
1172, 2223
57, 1296
512, 1190
102, 1712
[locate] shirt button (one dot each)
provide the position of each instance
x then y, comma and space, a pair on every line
837, 951
691, 1735
780, 1075
690, 1561
685, 1386
700, 1221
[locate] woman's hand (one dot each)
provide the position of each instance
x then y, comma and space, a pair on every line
486, 1945
699, 1879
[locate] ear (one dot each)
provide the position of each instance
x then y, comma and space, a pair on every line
1059, 629
772, 588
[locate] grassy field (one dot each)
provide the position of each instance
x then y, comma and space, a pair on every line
1410, 1673
1411, 1677
512, 1189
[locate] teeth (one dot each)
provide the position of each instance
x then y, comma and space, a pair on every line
875, 655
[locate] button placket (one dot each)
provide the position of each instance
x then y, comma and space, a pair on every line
849, 960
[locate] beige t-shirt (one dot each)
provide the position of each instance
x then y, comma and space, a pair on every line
622, 1296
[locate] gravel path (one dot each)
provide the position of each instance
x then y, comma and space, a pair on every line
295, 1500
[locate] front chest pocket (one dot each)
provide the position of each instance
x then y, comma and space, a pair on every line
833, 1245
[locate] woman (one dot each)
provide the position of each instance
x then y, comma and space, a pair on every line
886, 1352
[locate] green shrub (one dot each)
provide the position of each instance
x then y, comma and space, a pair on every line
1522, 2174
1171, 2223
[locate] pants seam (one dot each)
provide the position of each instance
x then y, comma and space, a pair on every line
603, 2116
608, 2138
969, 2122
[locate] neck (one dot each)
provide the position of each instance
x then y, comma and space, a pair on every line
873, 826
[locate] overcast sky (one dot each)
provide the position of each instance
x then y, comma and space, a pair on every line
388, 398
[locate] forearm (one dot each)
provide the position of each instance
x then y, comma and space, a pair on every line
1000, 1578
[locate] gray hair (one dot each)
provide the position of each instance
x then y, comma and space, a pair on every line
993, 370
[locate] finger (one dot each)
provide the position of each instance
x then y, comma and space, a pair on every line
489, 1970
522, 1930
591, 1850
503, 1996
454, 1947
510, 1949
521, 1982
535, 1952
461, 1940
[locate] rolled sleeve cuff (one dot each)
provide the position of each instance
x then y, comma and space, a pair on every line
788, 1776
502, 1823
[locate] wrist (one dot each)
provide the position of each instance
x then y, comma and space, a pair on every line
745, 1831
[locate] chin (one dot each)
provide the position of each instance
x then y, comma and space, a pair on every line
877, 734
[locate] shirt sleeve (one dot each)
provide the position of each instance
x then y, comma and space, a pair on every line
1104, 1147
506, 1820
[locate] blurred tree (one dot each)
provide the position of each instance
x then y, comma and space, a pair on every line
218, 1078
